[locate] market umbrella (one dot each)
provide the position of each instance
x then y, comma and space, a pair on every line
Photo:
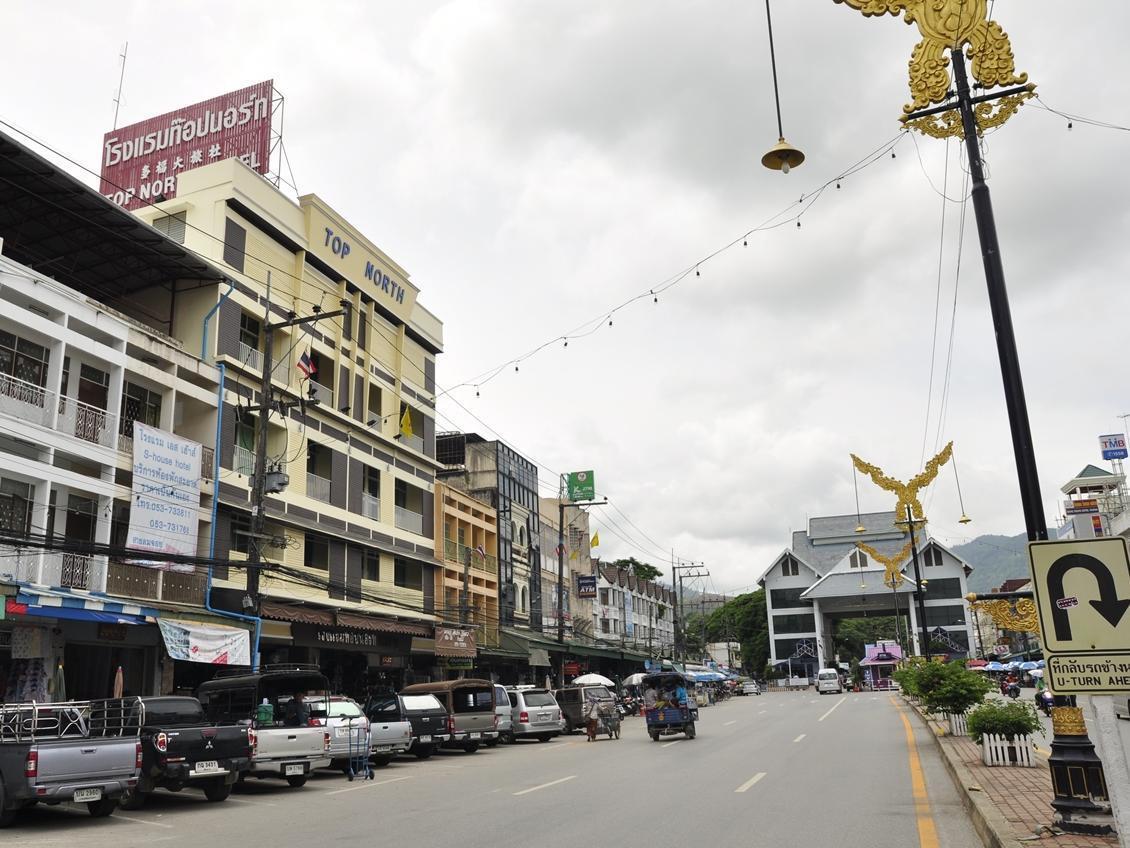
1041, 664
119, 683
1037, 673
994, 666
979, 668
1028, 666
634, 679
592, 680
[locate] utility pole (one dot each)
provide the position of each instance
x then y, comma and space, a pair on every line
920, 594
264, 409
561, 566
677, 569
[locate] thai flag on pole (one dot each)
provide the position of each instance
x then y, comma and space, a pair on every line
481, 551
306, 364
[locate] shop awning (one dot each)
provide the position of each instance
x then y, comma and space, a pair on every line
191, 641
299, 614
539, 657
77, 606
383, 625
295, 613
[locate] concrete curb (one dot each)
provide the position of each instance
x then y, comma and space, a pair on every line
990, 824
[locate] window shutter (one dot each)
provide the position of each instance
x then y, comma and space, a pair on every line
235, 244
172, 226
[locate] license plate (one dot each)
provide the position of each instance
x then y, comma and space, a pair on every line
84, 795
382, 749
425, 739
476, 735
291, 770
207, 765
543, 716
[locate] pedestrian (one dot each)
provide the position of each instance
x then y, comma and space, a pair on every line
592, 717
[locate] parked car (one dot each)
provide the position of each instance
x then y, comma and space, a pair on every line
534, 714
264, 700
82, 752
750, 687
426, 717
471, 718
180, 747
572, 699
502, 709
390, 733
348, 726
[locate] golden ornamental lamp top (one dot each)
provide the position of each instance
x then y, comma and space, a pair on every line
952, 25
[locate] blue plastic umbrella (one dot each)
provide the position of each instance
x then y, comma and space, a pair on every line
994, 666
1028, 666
1041, 664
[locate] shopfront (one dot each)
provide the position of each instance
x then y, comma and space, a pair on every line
357, 653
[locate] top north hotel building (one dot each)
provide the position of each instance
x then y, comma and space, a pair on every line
354, 530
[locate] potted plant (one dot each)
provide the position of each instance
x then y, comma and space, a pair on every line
956, 691
856, 675
1004, 732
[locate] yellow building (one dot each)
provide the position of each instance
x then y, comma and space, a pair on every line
350, 542
466, 533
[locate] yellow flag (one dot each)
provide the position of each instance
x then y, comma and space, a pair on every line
595, 543
573, 555
406, 423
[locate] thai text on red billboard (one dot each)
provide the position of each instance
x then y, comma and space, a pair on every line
141, 162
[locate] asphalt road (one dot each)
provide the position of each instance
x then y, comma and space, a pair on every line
789, 769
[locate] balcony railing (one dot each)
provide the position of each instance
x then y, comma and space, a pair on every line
25, 400
250, 357
87, 422
243, 461
21, 564
138, 581
74, 571
406, 519
454, 552
323, 394
371, 506
414, 442
317, 487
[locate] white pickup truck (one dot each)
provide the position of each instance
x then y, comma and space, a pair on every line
282, 744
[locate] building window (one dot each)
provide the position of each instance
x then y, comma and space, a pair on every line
172, 226
948, 587
24, 360
250, 329
794, 623
316, 553
235, 244
933, 556
790, 567
241, 533
408, 574
139, 404
785, 598
375, 406
858, 559
371, 565
947, 616
604, 597
604, 627
16, 498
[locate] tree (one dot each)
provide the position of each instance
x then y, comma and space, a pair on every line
744, 619
851, 634
642, 570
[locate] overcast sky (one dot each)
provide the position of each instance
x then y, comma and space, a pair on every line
533, 164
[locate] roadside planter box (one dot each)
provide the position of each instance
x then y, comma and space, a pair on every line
999, 751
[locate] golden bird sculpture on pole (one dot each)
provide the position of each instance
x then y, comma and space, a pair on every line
907, 492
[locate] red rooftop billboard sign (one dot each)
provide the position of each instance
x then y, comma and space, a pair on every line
141, 162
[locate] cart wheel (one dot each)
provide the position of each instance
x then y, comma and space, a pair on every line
349, 774
690, 730
617, 733
654, 734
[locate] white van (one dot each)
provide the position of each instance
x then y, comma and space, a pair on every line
828, 680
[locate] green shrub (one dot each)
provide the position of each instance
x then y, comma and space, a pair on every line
956, 689
1017, 718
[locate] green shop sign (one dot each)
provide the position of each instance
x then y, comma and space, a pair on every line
582, 486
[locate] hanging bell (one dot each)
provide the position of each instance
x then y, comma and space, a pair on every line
782, 157
965, 519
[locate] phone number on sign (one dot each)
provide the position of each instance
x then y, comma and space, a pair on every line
169, 526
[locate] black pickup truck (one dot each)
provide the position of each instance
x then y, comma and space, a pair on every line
425, 713
180, 747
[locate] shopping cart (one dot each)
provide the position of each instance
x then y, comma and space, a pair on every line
359, 748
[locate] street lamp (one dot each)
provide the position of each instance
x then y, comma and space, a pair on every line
782, 156
936, 110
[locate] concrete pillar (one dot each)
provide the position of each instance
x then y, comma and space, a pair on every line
1105, 735
916, 648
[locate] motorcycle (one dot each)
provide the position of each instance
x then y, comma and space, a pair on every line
1045, 701
1013, 690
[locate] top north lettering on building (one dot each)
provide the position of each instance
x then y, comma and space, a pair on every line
141, 162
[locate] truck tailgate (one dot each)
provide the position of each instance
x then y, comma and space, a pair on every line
390, 732
207, 743
69, 760
474, 722
283, 742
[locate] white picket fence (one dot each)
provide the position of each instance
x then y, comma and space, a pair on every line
957, 723
998, 751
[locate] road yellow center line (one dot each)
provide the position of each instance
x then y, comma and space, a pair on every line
927, 832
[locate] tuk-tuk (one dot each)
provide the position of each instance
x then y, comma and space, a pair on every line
672, 710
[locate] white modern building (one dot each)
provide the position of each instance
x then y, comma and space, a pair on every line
824, 578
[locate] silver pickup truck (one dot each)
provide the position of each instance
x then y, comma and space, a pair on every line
85, 752
286, 741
